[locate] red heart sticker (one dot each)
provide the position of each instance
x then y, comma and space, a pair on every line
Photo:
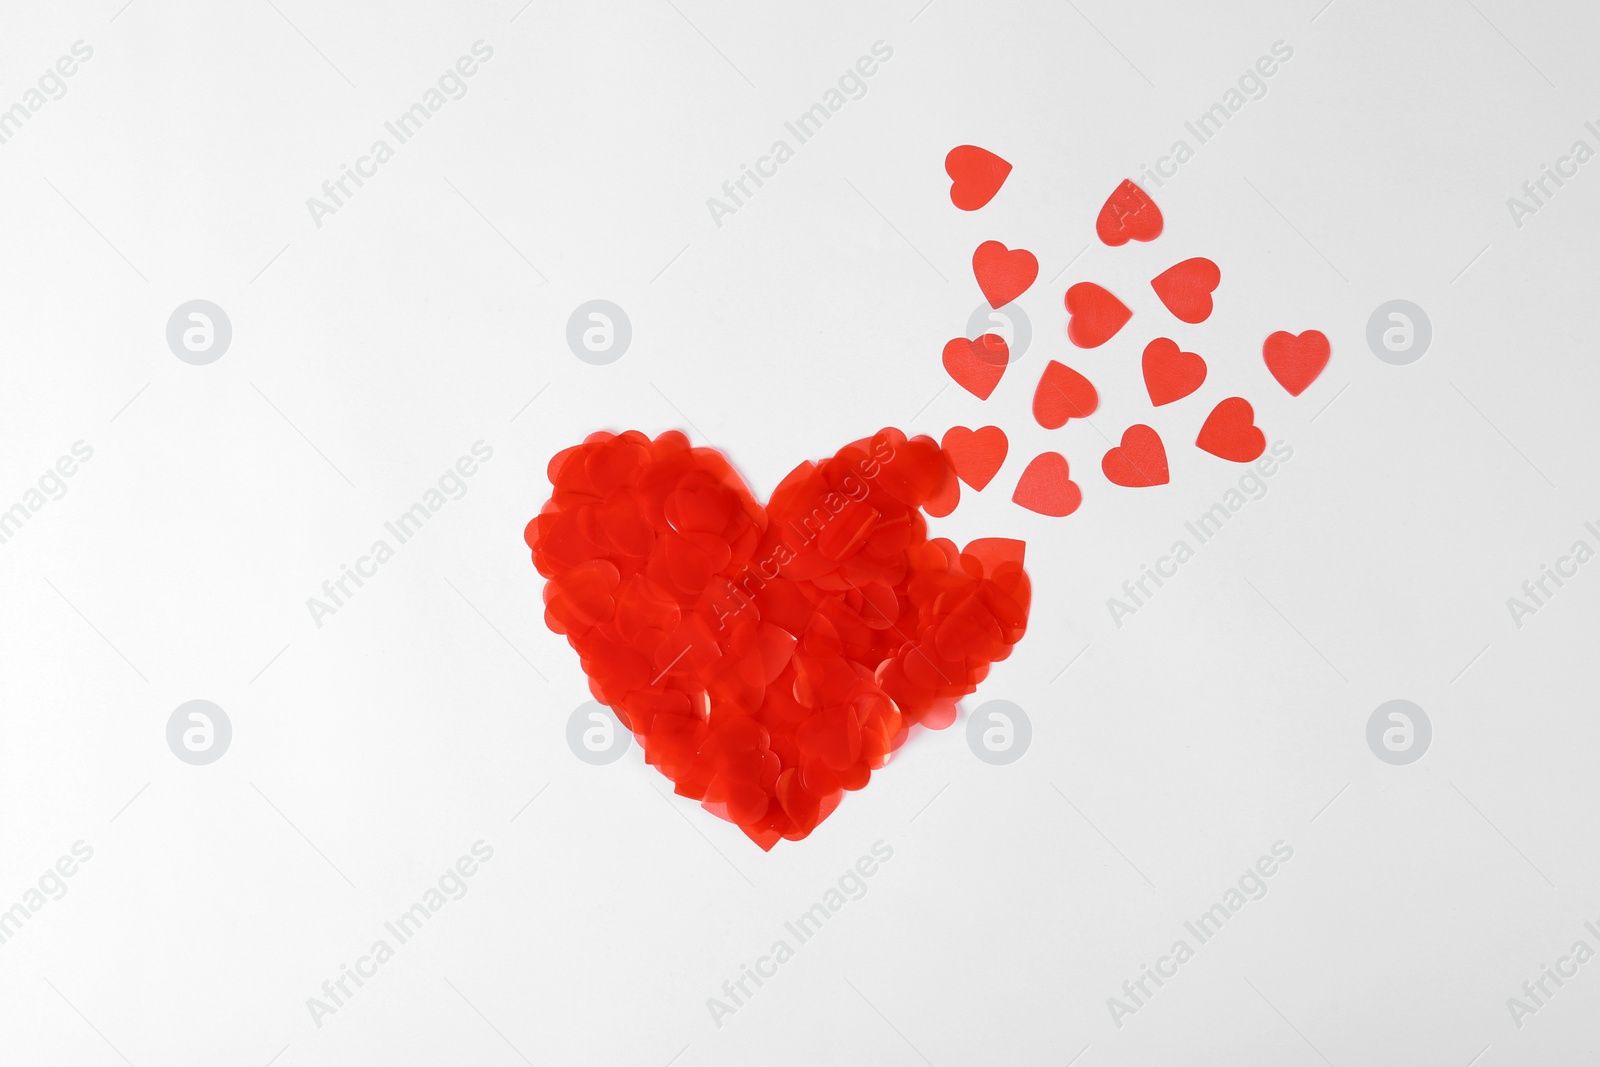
977, 366
1296, 361
1063, 394
1128, 215
1141, 459
1003, 273
768, 659
1047, 487
1186, 288
975, 455
976, 174
1169, 372
1095, 315
1230, 432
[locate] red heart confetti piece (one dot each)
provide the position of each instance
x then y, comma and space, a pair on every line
1047, 488
976, 174
976, 455
1063, 394
977, 366
1186, 288
1230, 432
1141, 459
1169, 372
1296, 361
1095, 315
1128, 215
1003, 273
768, 659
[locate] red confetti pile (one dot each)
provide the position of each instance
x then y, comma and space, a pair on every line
768, 659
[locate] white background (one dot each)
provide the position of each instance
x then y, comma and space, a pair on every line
1167, 755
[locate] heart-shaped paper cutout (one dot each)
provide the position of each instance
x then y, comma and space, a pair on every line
769, 658
1230, 432
1169, 372
976, 174
1141, 459
1003, 273
1128, 215
1296, 361
1063, 394
1095, 315
1185, 288
975, 455
1047, 487
977, 366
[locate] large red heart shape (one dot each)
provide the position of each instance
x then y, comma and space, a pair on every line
1128, 215
1185, 288
1095, 315
976, 174
770, 658
1169, 372
1230, 431
1296, 361
1003, 273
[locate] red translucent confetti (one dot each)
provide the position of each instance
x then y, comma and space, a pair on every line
977, 366
976, 175
1141, 459
768, 659
1003, 273
1230, 432
1169, 372
1063, 394
1186, 288
1128, 215
1047, 487
1095, 315
1296, 361
975, 455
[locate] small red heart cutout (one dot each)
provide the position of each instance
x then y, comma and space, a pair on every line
1186, 288
1296, 361
1169, 372
1230, 432
1063, 394
1003, 273
976, 174
1094, 315
1046, 486
1141, 459
977, 366
975, 455
1128, 215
